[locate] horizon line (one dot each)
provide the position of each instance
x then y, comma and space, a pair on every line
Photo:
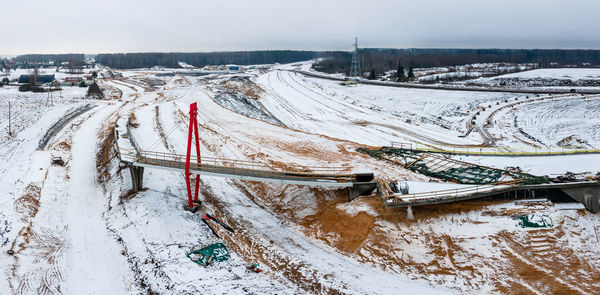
306, 50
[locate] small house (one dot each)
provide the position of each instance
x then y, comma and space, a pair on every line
42, 79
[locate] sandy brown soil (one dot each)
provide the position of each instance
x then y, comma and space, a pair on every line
374, 236
245, 88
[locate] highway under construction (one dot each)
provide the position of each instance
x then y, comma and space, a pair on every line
136, 159
311, 188
481, 181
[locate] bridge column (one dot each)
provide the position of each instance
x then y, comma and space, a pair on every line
137, 177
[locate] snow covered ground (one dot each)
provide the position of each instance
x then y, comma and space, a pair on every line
28, 107
371, 115
542, 123
564, 73
80, 229
575, 78
569, 122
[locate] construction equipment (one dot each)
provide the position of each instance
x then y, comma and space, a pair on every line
211, 229
207, 217
225, 226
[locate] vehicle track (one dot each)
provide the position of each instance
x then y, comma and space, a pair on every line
320, 110
283, 102
294, 78
43, 242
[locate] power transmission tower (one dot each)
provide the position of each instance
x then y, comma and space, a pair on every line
355, 67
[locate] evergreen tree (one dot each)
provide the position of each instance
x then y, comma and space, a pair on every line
400, 77
411, 74
95, 91
372, 75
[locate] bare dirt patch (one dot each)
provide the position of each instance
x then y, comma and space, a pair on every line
63, 145
29, 203
244, 86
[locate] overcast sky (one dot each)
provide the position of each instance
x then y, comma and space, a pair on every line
75, 26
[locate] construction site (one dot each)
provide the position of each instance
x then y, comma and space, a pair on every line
281, 180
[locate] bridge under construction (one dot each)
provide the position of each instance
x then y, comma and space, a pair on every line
482, 181
136, 159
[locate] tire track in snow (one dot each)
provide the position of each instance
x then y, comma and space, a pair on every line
94, 260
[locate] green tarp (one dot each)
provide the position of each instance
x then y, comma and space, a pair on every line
208, 255
535, 221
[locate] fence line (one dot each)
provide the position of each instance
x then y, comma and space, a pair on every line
487, 151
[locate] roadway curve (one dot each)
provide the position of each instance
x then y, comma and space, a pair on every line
450, 87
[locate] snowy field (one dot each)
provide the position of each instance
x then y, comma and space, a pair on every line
371, 115
568, 122
567, 73
28, 107
576, 78
79, 229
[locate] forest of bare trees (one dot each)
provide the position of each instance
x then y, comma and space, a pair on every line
201, 59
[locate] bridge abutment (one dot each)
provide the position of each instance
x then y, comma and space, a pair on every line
360, 189
588, 196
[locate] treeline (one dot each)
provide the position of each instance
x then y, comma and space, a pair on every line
381, 60
201, 59
56, 58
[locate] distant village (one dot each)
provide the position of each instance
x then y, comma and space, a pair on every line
46, 76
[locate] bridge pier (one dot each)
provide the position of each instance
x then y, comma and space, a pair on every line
137, 177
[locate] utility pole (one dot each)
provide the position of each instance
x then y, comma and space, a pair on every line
9, 121
355, 67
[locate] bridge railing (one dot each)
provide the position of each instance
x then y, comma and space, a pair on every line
231, 166
488, 151
391, 198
